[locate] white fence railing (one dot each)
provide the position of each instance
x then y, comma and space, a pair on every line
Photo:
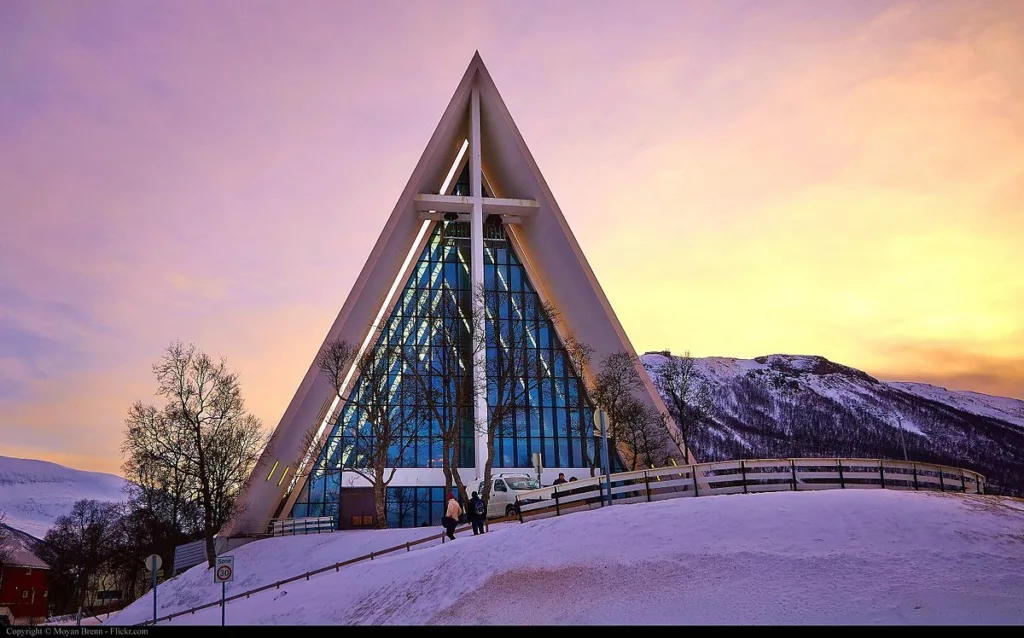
308, 525
745, 476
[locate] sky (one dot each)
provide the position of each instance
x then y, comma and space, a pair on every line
840, 178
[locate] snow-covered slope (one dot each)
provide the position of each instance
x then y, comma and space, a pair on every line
34, 493
791, 406
25, 550
1003, 408
834, 557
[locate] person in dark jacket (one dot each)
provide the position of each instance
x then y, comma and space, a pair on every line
560, 479
477, 513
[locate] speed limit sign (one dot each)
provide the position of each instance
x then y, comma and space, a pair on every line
224, 570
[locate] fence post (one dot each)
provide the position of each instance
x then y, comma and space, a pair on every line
554, 493
694, 468
519, 509
963, 487
842, 481
743, 470
647, 484
915, 476
942, 484
792, 466
407, 548
881, 471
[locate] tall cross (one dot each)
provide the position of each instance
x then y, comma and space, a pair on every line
473, 209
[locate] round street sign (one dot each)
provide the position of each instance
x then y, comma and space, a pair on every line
153, 562
224, 570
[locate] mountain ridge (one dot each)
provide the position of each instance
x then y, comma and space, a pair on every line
34, 493
783, 405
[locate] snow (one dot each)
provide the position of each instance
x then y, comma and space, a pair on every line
268, 561
1002, 408
829, 557
35, 493
24, 549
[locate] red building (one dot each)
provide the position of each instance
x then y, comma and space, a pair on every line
24, 597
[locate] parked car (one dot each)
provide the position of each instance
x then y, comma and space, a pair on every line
505, 487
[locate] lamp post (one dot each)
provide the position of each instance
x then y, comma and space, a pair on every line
601, 417
903, 444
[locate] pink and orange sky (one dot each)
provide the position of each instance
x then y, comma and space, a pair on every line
843, 178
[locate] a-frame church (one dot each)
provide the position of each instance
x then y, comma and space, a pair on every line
475, 215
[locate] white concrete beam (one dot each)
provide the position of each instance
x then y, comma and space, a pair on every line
477, 277
503, 206
491, 205
443, 203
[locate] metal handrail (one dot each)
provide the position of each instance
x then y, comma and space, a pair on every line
305, 576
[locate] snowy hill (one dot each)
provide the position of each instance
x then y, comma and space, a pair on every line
791, 406
26, 550
830, 557
34, 493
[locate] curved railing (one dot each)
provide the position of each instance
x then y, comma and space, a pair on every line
745, 476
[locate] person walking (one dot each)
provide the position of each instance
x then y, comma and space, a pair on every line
451, 515
477, 514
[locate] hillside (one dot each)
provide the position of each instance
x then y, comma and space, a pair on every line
831, 557
25, 550
34, 493
791, 406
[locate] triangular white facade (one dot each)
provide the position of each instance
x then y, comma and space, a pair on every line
541, 239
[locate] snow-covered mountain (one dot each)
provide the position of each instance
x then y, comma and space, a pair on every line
781, 406
34, 493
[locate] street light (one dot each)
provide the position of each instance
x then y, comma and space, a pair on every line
601, 417
903, 444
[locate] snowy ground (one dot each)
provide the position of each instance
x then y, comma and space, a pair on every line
830, 557
34, 493
268, 561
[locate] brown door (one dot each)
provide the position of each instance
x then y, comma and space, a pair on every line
357, 509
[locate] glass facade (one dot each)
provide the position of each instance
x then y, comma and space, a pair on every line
534, 396
413, 506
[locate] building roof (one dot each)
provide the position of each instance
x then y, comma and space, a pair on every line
25, 549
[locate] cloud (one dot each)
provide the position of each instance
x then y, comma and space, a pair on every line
956, 366
840, 179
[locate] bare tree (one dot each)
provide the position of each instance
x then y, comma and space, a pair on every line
202, 444
440, 360
335, 360
81, 542
644, 430
580, 355
615, 387
157, 454
687, 396
513, 370
384, 408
